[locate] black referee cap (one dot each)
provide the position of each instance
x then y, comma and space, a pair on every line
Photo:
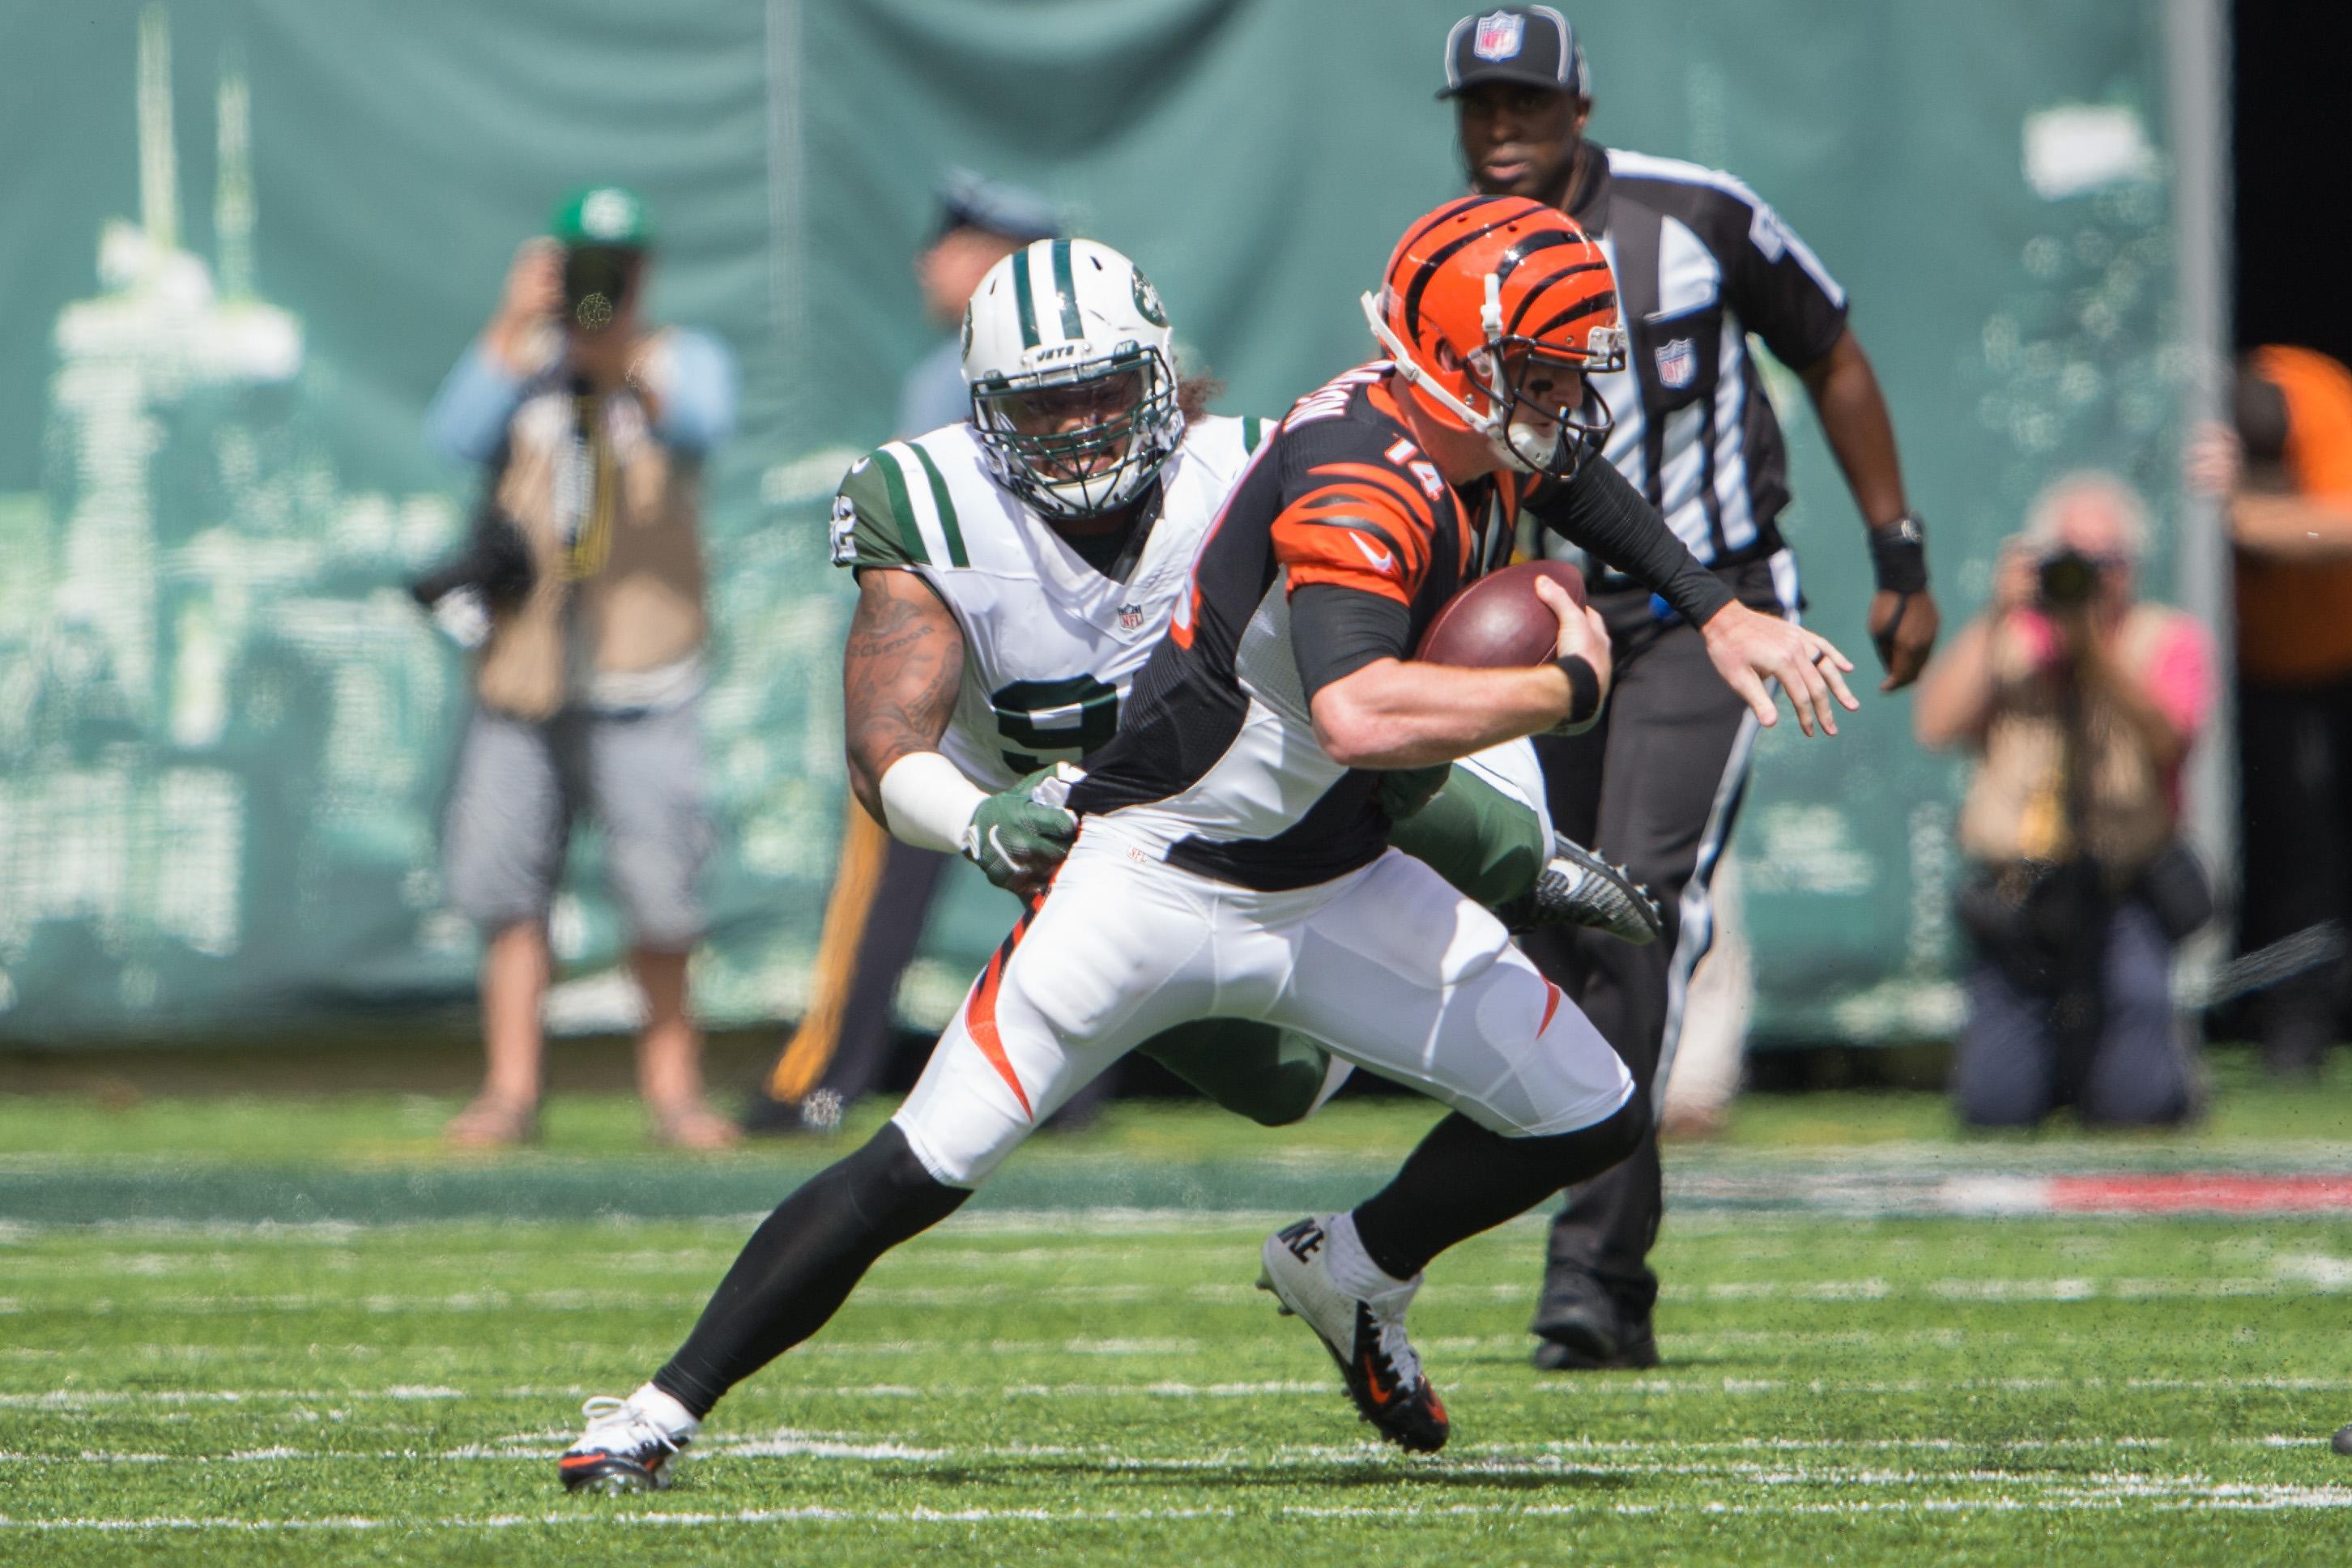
970, 200
1531, 44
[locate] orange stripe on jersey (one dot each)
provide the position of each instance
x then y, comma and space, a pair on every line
1354, 533
1347, 557
1415, 500
979, 1015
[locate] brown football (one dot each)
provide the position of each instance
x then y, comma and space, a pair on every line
1497, 622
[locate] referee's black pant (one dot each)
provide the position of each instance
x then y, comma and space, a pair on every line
1656, 784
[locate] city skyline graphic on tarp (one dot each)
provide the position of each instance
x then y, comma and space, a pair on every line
225, 728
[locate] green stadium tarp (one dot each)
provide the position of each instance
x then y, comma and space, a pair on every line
232, 275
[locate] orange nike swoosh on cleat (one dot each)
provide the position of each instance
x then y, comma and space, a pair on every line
1372, 1383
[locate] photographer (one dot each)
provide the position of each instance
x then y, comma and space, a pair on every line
2081, 704
582, 594
2284, 472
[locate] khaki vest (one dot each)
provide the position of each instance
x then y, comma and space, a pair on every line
634, 579
2016, 802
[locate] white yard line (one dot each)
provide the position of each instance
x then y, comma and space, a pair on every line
1628, 1456
2298, 1276
2205, 1498
782, 1389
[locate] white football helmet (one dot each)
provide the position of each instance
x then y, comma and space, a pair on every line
1066, 350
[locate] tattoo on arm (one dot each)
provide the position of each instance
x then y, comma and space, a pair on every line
898, 675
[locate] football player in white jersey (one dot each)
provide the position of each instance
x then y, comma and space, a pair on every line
1015, 571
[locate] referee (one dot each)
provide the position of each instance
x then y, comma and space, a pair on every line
1701, 263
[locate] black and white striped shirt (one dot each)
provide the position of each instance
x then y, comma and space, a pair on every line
1702, 261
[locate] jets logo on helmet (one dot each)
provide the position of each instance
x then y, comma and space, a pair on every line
1146, 301
1067, 356
1495, 310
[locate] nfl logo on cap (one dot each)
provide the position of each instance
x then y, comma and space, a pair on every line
1498, 37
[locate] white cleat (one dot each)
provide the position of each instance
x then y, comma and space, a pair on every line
629, 1447
1364, 1332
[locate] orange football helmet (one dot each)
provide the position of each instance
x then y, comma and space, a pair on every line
1486, 301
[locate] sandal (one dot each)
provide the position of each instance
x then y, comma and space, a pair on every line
693, 1126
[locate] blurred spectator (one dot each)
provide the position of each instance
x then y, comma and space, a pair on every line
589, 670
882, 890
2286, 474
2081, 703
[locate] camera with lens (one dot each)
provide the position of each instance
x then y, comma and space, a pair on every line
2067, 579
597, 281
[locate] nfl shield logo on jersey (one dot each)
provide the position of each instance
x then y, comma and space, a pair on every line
1499, 35
1677, 364
1130, 617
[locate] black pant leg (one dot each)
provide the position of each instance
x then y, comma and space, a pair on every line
1670, 776
901, 904
2293, 744
844, 1043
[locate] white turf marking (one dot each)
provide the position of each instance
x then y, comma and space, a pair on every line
1560, 1457
2298, 1276
1642, 1387
2199, 1496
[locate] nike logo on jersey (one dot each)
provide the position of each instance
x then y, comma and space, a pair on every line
1382, 562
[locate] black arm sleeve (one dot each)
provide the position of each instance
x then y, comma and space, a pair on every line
1609, 518
1335, 631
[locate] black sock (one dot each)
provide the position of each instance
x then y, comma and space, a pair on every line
802, 1263
1465, 1179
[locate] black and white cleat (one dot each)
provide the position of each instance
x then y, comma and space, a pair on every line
1578, 887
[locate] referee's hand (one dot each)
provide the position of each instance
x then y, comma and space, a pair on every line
1749, 649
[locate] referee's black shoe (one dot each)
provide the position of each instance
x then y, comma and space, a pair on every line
1582, 1328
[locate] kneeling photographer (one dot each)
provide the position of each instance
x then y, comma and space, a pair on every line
2081, 703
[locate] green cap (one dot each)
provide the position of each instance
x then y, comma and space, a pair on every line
603, 214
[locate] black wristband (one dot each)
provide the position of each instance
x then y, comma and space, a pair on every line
1583, 688
1898, 556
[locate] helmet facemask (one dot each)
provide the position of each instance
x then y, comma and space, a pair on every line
1080, 440
1529, 422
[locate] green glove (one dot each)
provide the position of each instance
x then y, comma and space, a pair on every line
1017, 842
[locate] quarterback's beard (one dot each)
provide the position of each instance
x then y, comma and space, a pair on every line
1515, 440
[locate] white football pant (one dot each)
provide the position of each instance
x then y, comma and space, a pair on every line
1388, 966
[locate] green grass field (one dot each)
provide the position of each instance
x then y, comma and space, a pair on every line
248, 1331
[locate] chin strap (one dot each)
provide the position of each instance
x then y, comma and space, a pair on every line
1402, 357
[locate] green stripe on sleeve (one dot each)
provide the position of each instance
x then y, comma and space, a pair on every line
1022, 301
946, 503
1066, 285
902, 508
866, 531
